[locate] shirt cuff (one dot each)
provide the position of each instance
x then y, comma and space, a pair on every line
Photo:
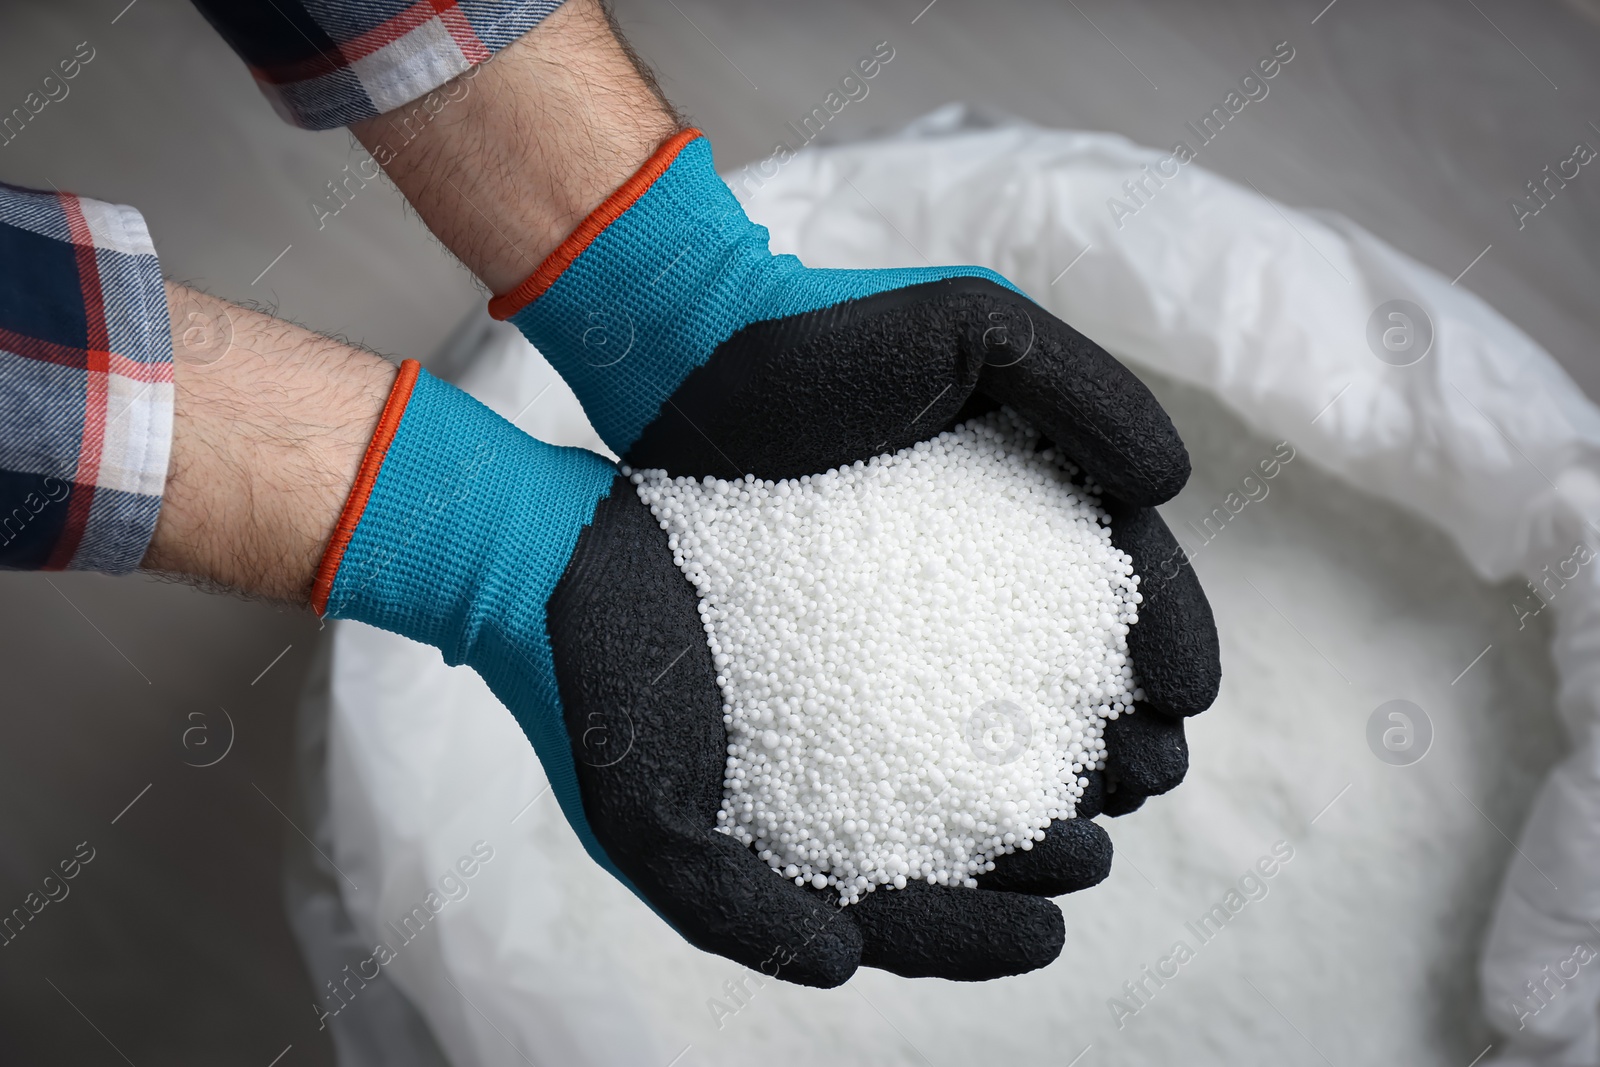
324, 65
85, 383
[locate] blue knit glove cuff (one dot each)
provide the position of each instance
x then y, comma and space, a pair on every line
663, 272
466, 527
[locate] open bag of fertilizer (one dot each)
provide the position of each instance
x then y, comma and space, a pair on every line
1397, 413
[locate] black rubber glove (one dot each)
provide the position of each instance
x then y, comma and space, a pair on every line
811, 392
697, 351
806, 395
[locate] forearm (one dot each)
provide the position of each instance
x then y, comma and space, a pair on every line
514, 160
509, 159
269, 425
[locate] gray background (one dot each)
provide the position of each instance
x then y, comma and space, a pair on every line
172, 946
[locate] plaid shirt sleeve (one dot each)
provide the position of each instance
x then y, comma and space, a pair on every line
327, 63
85, 383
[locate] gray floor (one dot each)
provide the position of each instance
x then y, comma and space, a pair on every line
172, 946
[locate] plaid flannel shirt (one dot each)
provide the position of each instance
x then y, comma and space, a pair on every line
85, 383
326, 63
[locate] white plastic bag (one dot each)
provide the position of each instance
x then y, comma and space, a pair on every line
1280, 314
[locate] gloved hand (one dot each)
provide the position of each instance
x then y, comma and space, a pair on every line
694, 349
541, 569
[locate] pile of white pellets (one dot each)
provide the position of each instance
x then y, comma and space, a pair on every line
916, 653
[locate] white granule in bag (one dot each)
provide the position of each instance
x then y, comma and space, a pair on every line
916, 653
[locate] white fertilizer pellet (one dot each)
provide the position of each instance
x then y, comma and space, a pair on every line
916, 653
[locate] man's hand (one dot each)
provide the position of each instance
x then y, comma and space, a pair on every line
694, 349
542, 569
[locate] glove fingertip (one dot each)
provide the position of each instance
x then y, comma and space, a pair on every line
1123, 802
1075, 855
1174, 647
1075, 392
965, 935
1146, 751
826, 965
